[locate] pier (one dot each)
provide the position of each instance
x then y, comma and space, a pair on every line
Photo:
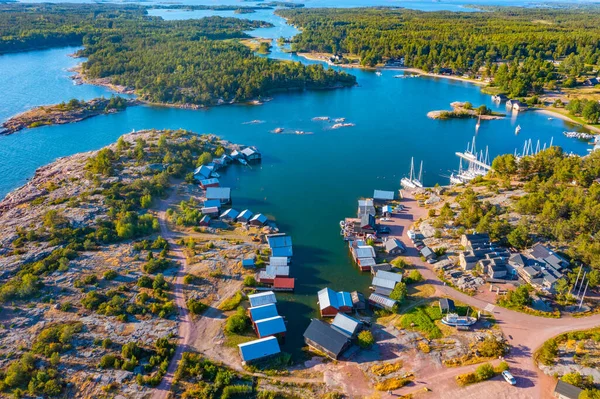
473, 159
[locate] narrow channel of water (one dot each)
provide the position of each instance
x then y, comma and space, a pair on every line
306, 182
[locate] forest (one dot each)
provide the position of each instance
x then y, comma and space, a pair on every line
187, 62
515, 47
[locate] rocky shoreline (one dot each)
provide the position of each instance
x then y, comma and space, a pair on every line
462, 110
59, 114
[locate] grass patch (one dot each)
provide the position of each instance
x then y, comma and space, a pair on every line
232, 303
482, 373
233, 340
393, 383
422, 319
382, 370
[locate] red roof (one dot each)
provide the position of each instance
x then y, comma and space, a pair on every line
284, 282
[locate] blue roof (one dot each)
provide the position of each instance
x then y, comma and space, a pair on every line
245, 214
205, 182
282, 252
344, 299
263, 312
248, 262
203, 171
270, 326
259, 348
219, 193
230, 213
212, 203
328, 297
276, 241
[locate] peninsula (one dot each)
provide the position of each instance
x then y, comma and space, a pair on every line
69, 112
462, 110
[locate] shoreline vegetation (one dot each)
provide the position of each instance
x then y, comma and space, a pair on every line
461, 110
63, 113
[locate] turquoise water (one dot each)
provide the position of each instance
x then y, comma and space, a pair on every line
306, 183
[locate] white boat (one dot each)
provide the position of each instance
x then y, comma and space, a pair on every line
411, 181
454, 320
579, 135
320, 118
278, 130
339, 125
342, 224
378, 73
518, 129
339, 120
478, 123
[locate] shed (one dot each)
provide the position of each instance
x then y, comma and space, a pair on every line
564, 390
262, 298
248, 262
379, 282
223, 194
394, 246
427, 253
229, 214
345, 324
358, 300
244, 216
397, 277
367, 223
259, 349
278, 271
447, 305
211, 211
202, 172
366, 207
258, 220
263, 312
270, 326
331, 302
214, 203
364, 251
381, 301
380, 266
365, 264
251, 154
278, 261
205, 221
265, 278
280, 245
383, 196
324, 338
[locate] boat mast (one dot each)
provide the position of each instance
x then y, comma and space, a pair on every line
420, 172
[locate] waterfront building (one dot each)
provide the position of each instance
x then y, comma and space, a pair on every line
366, 207
206, 183
251, 154
262, 312
394, 246
271, 326
331, 302
244, 216
258, 220
262, 298
229, 215
347, 325
259, 349
223, 194
324, 338
381, 301
383, 196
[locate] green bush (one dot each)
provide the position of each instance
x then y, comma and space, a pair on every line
365, 339
110, 275
195, 306
232, 303
237, 323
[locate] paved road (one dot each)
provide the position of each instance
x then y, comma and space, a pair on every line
528, 332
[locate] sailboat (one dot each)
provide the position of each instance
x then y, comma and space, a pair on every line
408, 182
518, 129
417, 182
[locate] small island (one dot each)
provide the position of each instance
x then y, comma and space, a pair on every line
461, 110
58, 114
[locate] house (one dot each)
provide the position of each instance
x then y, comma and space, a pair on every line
382, 302
248, 262
469, 241
497, 271
210, 211
203, 172
565, 390
358, 300
331, 302
365, 264
263, 312
251, 154
427, 253
517, 105
591, 82
499, 98
383, 196
387, 211
206, 183
363, 251
259, 349
258, 220
397, 277
229, 215
244, 216
223, 194
447, 305
270, 326
366, 207
467, 260
367, 224
278, 271
347, 325
394, 247
324, 338
205, 221
383, 286
544, 254
284, 283
262, 298
381, 266
280, 245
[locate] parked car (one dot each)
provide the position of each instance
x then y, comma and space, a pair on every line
431, 261
509, 377
411, 234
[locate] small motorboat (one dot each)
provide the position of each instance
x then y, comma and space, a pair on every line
518, 129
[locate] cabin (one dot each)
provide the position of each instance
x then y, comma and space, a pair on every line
278, 271
516, 105
365, 264
259, 349
223, 194
244, 216
380, 196
383, 286
251, 154
272, 326
331, 302
206, 183
280, 245
262, 312
347, 325
366, 207
564, 390
499, 98
394, 247
284, 284
324, 338
447, 305
229, 215
382, 302
205, 221
265, 278
262, 298
258, 220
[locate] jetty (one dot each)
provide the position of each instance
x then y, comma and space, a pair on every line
478, 164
